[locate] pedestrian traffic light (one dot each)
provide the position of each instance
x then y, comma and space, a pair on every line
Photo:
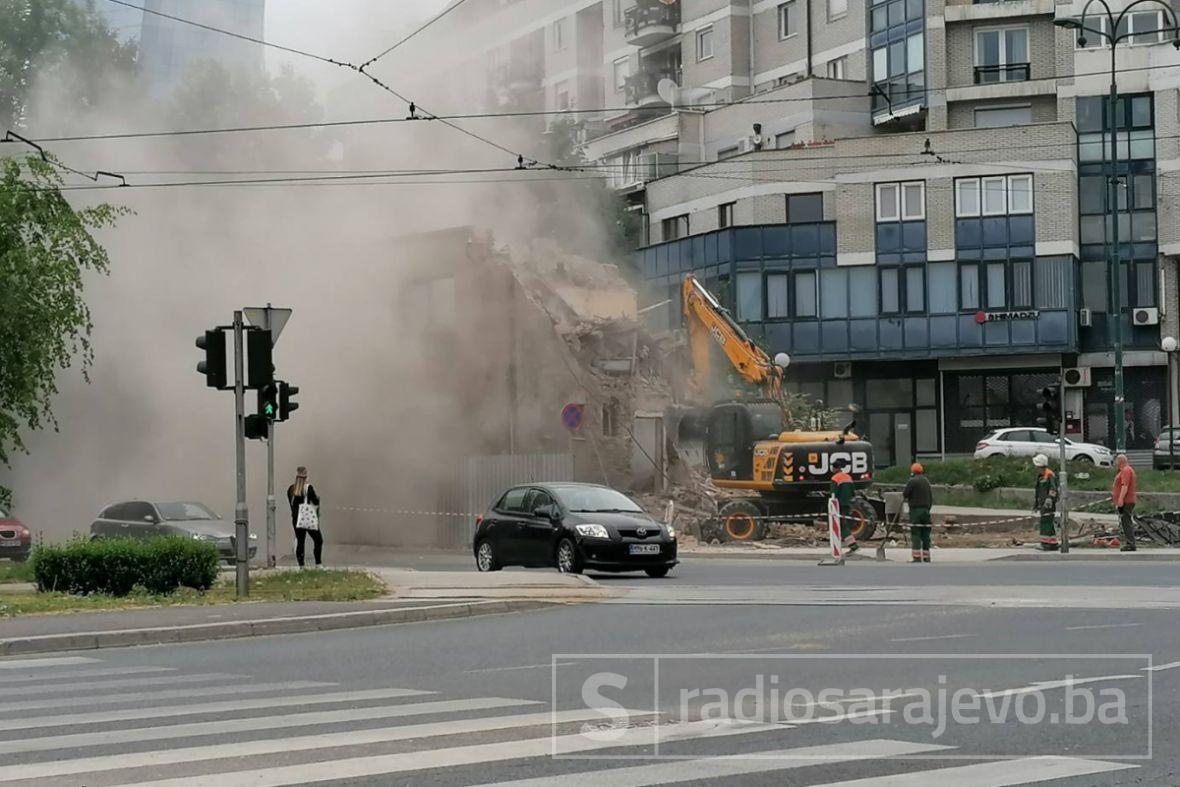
260, 369
268, 401
257, 427
287, 405
213, 367
1050, 410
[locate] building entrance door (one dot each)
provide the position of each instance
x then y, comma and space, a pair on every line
891, 434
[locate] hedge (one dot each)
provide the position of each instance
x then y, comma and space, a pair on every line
117, 566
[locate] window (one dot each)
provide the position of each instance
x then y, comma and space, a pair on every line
787, 23
1001, 55
890, 291
622, 69
559, 35
749, 297
901, 201
705, 43
725, 215
513, 500
805, 208
777, 307
903, 290
915, 290
675, 227
617, 12
838, 68
561, 95
969, 287
896, 38
999, 195
837, 9
1142, 27
1022, 287
1001, 117
805, 294
784, 140
996, 285
967, 197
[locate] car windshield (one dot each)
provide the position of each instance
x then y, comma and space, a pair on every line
596, 499
180, 512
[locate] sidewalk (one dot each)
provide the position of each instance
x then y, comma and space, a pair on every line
901, 554
414, 597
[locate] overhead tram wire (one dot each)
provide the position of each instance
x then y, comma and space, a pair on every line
330, 61
483, 115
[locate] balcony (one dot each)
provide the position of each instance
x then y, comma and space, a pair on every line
636, 170
642, 88
651, 22
1004, 72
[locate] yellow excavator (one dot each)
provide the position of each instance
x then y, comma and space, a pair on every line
750, 445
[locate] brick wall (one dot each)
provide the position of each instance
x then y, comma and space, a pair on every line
961, 114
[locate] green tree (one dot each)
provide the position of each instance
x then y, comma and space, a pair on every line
46, 248
63, 42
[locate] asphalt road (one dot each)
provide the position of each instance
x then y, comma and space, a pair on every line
344, 708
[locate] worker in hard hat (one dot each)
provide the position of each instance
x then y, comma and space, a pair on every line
1046, 502
844, 490
919, 496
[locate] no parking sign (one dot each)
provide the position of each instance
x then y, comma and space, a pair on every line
572, 416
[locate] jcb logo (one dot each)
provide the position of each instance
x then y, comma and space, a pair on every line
718, 335
822, 464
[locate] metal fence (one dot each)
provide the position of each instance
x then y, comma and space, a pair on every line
485, 477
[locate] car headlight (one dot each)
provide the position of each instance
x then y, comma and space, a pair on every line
671, 531
593, 531
203, 537
253, 536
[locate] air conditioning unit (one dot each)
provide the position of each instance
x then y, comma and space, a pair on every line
842, 370
1146, 316
1077, 377
1085, 318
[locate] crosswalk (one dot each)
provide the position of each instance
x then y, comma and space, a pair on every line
77, 721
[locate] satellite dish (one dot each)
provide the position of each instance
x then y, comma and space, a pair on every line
668, 90
782, 360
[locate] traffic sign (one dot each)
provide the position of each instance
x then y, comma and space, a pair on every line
572, 416
268, 318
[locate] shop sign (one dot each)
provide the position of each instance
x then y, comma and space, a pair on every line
1027, 314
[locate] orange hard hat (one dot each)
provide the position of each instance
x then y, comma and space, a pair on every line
916, 468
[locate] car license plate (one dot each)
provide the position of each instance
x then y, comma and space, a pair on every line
10, 542
645, 549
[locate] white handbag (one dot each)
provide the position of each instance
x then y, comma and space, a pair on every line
309, 514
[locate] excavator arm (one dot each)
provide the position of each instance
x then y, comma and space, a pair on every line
708, 322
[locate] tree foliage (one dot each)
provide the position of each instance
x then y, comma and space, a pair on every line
61, 41
46, 249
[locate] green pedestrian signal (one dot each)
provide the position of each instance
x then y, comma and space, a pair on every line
268, 401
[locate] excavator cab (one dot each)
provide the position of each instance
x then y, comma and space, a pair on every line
733, 429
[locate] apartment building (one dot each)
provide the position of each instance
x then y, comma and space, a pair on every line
168, 48
908, 196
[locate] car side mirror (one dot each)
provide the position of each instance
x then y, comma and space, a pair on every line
549, 512
151, 520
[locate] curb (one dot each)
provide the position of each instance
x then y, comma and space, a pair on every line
1075, 555
93, 640
1087, 555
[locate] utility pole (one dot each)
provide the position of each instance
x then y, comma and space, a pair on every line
241, 512
271, 551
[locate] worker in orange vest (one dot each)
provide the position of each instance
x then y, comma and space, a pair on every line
844, 490
1046, 502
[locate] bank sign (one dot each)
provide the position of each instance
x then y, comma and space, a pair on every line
1027, 314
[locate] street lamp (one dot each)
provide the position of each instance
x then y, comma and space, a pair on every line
1169, 345
1113, 37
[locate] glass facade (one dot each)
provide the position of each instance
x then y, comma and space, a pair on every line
897, 43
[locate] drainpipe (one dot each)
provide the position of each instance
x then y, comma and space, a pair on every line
750, 5
809, 68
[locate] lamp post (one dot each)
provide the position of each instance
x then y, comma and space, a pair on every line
1169, 345
1114, 22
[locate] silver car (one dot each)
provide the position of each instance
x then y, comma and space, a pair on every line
141, 519
1030, 441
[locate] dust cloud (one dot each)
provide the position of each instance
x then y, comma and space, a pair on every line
146, 426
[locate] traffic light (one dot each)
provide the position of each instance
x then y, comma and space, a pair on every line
268, 401
260, 370
287, 405
1050, 410
256, 427
213, 367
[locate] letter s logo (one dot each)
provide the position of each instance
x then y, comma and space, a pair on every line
615, 713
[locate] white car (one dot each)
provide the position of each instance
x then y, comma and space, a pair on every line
1023, 441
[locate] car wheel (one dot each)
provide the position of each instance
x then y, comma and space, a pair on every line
656, 573
741, 520
567, 559
485, 557
1083, 459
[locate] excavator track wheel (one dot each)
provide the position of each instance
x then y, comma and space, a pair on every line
742, 520
864, 520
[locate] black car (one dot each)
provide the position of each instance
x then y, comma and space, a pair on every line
143, 519
572, 527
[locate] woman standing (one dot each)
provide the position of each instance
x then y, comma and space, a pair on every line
305, 516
